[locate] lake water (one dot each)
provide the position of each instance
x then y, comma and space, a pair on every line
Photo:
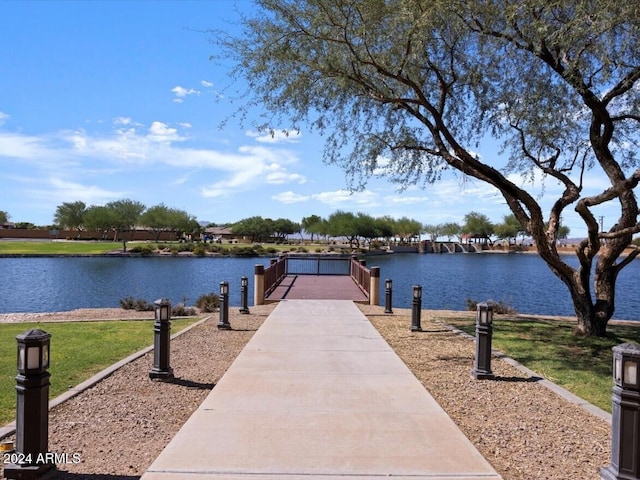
524, 281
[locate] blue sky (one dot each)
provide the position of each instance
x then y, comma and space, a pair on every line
101, 101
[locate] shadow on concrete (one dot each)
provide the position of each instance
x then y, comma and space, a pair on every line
183, 382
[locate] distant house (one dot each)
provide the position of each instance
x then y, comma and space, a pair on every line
218, 234
7, 225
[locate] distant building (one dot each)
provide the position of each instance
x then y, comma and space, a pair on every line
218, 234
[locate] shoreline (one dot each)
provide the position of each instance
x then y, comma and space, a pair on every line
119, 314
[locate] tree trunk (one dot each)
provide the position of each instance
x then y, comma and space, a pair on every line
592, 317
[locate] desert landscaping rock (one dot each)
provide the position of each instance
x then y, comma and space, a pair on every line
119, 426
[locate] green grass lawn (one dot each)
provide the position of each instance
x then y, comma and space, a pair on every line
20, 247
57, 248
582, 365
79, 350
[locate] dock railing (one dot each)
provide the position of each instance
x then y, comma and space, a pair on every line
267, 279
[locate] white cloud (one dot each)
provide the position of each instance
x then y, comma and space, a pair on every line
122, 121
23, 146
345, 199
161, 132
247, 172
83, 165
206, 84
54, 190
181, 93
89, 194
3, 118
290, 198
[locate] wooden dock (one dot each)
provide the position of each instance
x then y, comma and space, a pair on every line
318, 287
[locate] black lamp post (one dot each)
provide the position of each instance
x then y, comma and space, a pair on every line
161, 345
244, 295
484, 328
625, 416
388, 294
224, 324
32, 408
416, 309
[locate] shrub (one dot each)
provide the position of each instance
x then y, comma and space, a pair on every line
498, 307
140, 305
127, 303
208, 303
144, 250
181, 311
243, 251
199, 250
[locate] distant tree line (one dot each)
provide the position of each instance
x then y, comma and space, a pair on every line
480, 227
115, 219
361, 229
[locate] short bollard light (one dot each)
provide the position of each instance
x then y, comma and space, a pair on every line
625, 415
224, 324
388, 294
32, 408
244, 295
162, 370
484, 328
416, 309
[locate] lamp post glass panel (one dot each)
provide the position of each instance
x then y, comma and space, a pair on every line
32, 407
416, 310
625, 415
224, 324
484, 330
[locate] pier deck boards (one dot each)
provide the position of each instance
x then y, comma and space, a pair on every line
318, 287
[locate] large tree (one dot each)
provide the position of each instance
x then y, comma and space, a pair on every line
421, 82
509, 229
119, 216
478, 225
161, 218
312, 225
70, 215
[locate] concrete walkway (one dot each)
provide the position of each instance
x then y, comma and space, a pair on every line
318, 394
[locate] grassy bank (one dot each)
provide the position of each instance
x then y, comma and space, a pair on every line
19, 247
79, 350
582, 365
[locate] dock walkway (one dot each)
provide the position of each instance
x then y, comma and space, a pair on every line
318, 394
318, 287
